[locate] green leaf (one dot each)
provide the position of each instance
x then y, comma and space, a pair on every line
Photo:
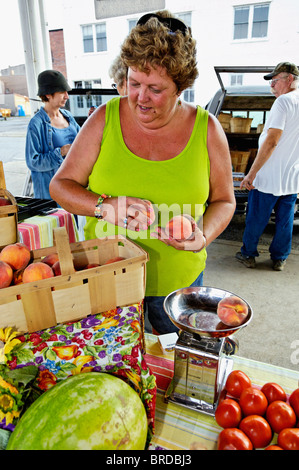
24, 375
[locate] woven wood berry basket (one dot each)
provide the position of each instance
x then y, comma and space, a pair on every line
239, 160
8, 220
78, 291
224, 119
240, 125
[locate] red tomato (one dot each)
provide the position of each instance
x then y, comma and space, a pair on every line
228, 414
280, 415
274, 392
253, 402
294, 401
236, 382
257, 429
288, 439
273, 448
233, 439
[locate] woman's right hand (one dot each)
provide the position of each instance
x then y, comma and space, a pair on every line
129, 212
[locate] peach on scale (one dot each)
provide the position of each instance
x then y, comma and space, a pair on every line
16, 255
232, 311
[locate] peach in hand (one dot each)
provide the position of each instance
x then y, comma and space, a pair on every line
179, 228
16, 255
37, 271
232, 311
6, 275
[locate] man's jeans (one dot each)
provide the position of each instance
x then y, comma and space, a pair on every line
259, 208
155, 314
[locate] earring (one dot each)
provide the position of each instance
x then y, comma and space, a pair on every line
179, 102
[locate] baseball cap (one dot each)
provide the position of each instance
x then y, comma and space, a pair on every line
51, 81
286, 67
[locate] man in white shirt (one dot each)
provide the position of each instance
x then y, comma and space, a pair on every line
273, 180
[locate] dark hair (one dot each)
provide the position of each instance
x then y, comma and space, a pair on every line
153, 44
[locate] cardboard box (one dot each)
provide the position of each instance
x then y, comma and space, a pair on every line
76, 293
167, 342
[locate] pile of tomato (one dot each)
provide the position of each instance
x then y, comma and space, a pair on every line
252, 418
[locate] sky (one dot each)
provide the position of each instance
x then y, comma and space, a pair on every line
11, 41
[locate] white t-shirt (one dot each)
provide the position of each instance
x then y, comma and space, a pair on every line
280, 174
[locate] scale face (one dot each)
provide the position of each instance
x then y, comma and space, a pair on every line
201, 362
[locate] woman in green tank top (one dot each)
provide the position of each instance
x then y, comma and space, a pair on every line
155, 157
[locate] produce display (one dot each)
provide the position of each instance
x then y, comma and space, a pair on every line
90, 411
16, 266
252, 418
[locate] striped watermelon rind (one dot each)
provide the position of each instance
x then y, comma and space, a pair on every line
90, 411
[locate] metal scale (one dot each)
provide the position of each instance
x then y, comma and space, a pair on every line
201, 360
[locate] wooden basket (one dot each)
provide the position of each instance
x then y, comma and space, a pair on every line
8, 220
224, 119
239, 160
240, 125
74, 294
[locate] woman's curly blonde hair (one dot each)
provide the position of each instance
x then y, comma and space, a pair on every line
152, 45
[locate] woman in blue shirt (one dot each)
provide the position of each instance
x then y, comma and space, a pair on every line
50, 132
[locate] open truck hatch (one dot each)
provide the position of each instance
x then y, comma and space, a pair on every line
249, 102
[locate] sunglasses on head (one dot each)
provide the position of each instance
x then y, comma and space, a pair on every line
172, 23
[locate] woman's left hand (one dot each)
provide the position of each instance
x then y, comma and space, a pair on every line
196, 242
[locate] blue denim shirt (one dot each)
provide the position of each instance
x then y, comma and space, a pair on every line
42, 159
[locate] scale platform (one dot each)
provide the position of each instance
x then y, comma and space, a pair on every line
201, 359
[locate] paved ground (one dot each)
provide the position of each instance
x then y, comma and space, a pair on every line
273, 334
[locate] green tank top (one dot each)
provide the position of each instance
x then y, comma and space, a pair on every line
178, 184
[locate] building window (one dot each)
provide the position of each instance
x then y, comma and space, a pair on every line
87, 38
185, 17
236, 79
101, 37
132, 24
94, 37
188, 95
260, 21
251, 21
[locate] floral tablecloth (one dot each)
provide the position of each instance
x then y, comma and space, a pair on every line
109, 342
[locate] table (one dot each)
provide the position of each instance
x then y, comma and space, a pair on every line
179, 428
37, 231
111, 342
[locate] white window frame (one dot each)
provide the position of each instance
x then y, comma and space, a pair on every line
94, 37
250, 22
